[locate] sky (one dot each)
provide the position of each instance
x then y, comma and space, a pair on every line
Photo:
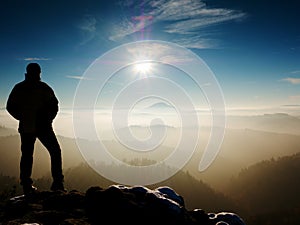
251, 46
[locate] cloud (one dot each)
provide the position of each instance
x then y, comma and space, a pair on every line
160, 52
78, 77
291, 80
296, 71
36, 59
292, 105
123, 29
195, 41
183, 19
190, 26
88, 28
295, 97
189, 16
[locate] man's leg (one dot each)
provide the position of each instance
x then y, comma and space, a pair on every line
49, 140
27, 148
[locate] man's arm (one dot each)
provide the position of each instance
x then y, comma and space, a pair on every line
51, 104
12, 105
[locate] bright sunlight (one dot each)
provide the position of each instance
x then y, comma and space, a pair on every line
142, 67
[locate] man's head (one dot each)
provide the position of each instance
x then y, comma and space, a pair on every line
33, 72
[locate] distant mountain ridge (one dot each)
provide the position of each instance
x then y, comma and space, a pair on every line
268, 190
277, 122
5, 131
240, 149
160, 105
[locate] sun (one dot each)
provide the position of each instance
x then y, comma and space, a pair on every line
142, 67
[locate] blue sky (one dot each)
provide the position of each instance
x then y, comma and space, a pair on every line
252, 46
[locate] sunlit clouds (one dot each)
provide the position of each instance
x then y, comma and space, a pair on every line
183, 19
78, 77
36, 59
292, 80
295, 98
296, 71
88, 28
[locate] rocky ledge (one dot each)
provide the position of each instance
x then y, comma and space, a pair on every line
115, 204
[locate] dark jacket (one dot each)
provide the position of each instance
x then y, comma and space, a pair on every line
34, 104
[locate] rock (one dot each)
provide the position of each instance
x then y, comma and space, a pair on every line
116, 204
226, 217
221, 223
200, 216
171, 194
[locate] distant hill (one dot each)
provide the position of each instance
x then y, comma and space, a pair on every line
160, 105
270, 190
194, 191
10, 156
266, 191
5, 131
241, 149
277, 122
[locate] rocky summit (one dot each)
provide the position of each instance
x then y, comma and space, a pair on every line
112, 205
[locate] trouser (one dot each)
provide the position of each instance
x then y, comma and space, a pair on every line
48, 139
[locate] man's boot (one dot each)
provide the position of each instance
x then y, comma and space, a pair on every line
58, 186
29, 189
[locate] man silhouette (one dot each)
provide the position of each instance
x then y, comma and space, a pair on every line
35, 105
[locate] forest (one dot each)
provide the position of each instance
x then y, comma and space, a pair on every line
260, 181
264, 193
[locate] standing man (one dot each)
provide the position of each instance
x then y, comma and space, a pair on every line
35, 105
